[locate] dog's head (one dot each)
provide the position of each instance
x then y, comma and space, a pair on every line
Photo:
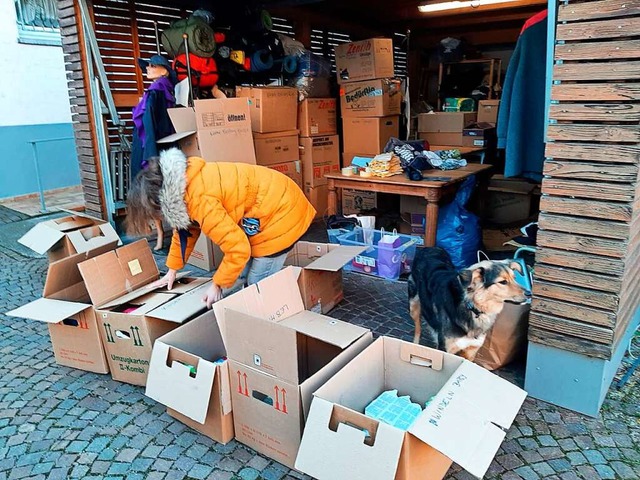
489, 283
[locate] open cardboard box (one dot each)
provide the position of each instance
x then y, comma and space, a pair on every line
64, 236
189, 374
279, 354
217, 130
131, 315
465, 422
320, 272
65, 306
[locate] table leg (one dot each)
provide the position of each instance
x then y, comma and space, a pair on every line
332, 200
431, 223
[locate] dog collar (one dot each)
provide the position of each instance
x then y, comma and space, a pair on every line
470, 306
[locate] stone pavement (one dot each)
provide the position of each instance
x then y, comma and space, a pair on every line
58, 423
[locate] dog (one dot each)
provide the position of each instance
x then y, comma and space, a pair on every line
459, 308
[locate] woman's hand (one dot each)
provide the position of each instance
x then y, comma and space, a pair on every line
214, 293
168, 280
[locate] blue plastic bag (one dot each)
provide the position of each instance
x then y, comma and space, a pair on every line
459, 231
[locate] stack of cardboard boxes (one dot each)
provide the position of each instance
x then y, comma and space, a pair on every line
319, 148
370, 103
274, 112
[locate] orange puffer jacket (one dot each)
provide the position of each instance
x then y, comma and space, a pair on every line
215, 197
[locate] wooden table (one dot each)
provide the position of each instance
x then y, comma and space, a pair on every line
437, 185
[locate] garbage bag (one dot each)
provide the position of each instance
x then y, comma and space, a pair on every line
459, 231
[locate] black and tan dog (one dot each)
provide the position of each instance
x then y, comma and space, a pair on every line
459, 308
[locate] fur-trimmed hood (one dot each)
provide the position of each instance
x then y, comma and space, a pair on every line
173, 165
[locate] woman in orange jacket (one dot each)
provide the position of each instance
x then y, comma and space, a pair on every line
254, 214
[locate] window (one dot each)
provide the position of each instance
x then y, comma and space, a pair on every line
324, 42
38, 22
400, 54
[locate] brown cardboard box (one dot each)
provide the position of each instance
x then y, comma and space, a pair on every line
61, 237
368, 135
319, 155
318, 197
279, 355
188, 374
355, 201
488, 111
481, 135
293, 170
509, 200
364, 60
273, 109
218, 130
335, 441
447, 139
371, 98
205, 254
130, 315
320, 279
274, 148
445, 122
317, 117
65, 306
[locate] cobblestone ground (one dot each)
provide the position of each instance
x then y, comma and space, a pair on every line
57, 423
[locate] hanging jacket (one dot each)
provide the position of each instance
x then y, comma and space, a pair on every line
151, 122
520, 127
247, 210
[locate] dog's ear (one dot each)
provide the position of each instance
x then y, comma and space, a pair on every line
477, 275
465, 277
471, 277
516, 266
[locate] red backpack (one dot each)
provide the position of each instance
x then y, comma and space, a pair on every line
204, 71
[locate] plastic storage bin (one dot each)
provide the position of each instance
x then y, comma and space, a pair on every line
380, 261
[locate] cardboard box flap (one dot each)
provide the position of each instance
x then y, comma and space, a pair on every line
336, 258
111, 275
88, 239
171, 383
287, 133
474, 401
144, 290
48, 310
183, 307
64, 281
174, 137
329, 330
183, 120
340, 434
41, 238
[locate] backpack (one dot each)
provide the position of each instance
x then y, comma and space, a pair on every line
204, 71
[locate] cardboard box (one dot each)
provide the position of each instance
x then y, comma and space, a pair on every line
355, 201
279, 355
293, 170
319, 155
482, 135
371, 98
446, 139
65, 236
320, 278
205, 254
189, 374
274, 148
318, 197
273, 109
488, 111
317, 117
364, 60
465, 421
445, 122
65, 306
368, 135
130, 315
509, 200
217, 130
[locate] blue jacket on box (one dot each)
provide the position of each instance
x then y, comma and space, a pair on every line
521, 114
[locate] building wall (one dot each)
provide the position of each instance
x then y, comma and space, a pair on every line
34, 105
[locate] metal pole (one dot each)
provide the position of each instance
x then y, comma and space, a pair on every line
186, 51
155, 30
43, 207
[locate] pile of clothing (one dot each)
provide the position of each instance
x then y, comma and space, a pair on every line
414, 158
